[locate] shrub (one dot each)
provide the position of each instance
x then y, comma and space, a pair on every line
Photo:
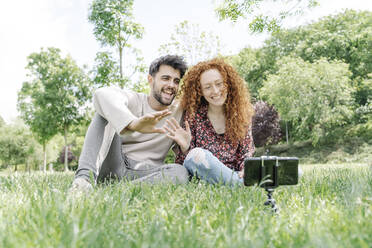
265, 125
70, 156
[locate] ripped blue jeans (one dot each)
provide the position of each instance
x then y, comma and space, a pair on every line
204, 165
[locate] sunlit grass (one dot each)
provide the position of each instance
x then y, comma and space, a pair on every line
331, 207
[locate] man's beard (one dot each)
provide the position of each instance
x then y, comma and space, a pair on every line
157, 95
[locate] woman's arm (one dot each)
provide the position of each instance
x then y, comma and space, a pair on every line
180, 156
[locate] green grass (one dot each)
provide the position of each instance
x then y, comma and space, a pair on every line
330, 207
352, 151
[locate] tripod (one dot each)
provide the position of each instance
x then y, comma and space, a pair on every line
271, 172
275, 183
270, 200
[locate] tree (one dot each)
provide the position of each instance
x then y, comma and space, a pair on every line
55, 98
192, 43
363, 113
345, 37
114, 25
256, 12
34, 108
265, 125
315, 97
17, 145
248, 63
106, 70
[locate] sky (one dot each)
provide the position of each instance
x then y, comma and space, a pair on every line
27, 26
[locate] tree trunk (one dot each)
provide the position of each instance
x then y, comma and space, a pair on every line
121, 61
45, 157
15, 167
66, 150
286, 131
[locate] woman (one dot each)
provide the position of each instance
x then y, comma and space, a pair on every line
215, 136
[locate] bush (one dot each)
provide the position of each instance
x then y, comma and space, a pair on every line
363, 131
265, 125
70, 156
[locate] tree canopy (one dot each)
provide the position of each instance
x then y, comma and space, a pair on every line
114, 25
56, 96
192, 43
106, 70
344, 37
316, 97
17, 145
260, 17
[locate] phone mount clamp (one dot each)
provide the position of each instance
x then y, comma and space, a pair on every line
270, 189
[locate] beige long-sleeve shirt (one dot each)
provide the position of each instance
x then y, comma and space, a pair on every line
119, 107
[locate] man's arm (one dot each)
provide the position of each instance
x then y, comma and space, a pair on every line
112, 104
147, 123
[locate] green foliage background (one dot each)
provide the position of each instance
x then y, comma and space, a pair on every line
345, 38
318, 76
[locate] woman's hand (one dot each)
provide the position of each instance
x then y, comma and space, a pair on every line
241, 173
181, 136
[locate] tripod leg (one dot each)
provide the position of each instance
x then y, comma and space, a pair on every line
270, 200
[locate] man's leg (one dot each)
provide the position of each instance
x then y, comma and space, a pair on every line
203, 164
92, 145
172, 173
116, 164
112, 167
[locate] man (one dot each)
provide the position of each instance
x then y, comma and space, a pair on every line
140, 149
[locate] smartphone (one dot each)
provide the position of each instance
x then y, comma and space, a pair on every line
270, 171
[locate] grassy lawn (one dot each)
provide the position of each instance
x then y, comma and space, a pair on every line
331, 207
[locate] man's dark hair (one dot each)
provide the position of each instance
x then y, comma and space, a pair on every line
174, 61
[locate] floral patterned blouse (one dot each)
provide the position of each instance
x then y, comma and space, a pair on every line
204, 136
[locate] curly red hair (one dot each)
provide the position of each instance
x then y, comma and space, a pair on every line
237, 108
